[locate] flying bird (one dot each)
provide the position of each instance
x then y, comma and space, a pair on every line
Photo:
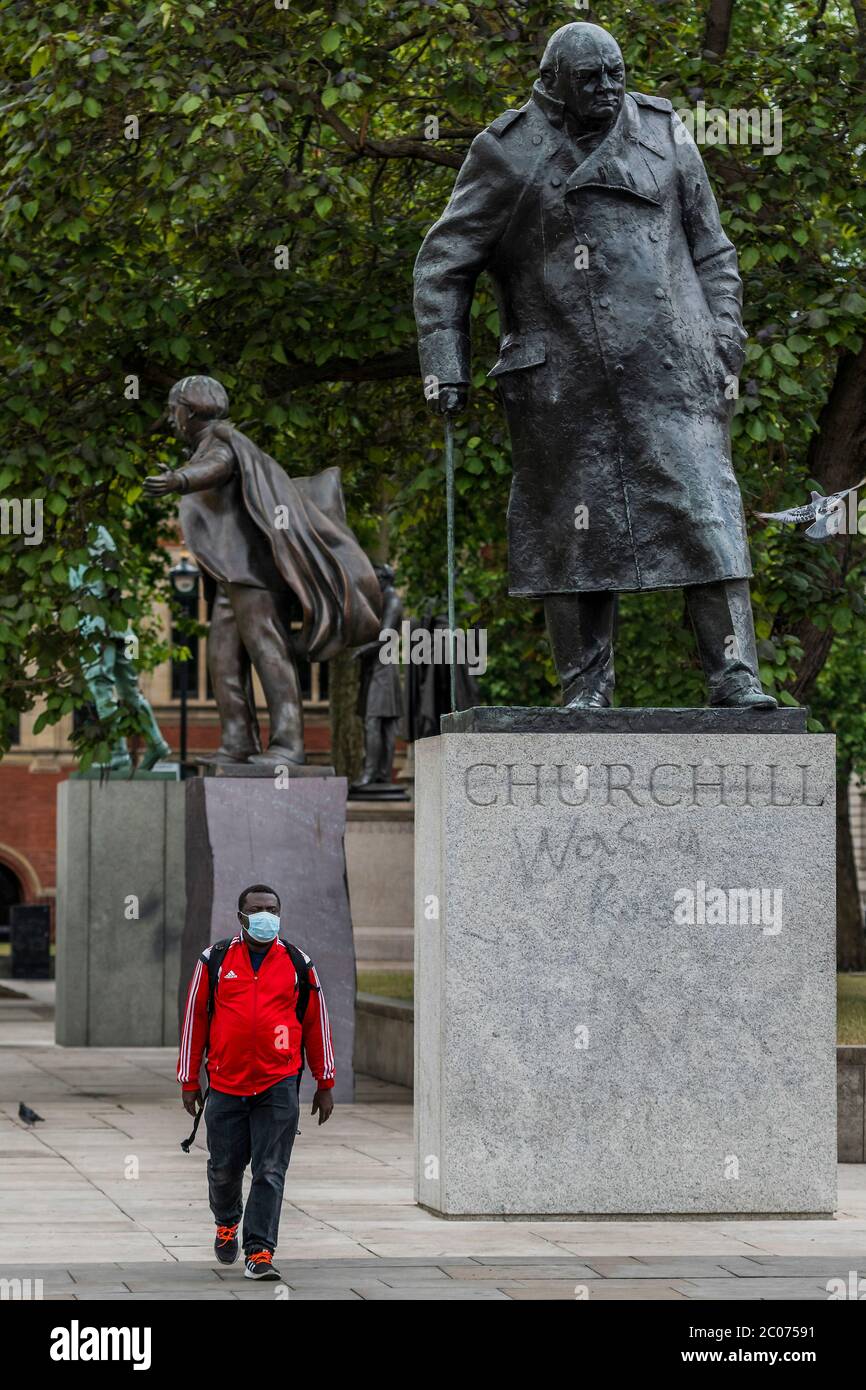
825, 514
27, 1115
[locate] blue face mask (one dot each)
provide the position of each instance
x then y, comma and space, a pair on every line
263, 926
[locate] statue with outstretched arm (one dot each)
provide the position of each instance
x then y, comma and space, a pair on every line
281, 552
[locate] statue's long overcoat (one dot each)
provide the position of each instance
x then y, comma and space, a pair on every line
614, 362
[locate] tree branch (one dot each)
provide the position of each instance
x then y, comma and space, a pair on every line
717, 30
363, 146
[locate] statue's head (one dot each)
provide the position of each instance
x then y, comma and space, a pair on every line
583, 68
193, 401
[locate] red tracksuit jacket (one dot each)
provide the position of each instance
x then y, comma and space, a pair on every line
255, 1037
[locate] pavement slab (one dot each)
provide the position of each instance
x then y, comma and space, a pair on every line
99, 1202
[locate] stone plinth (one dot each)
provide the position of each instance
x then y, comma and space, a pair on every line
605, 1025
120, 909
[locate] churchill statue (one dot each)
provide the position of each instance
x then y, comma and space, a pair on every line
621, 341
290, 575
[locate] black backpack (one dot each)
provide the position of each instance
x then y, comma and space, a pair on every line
214, 965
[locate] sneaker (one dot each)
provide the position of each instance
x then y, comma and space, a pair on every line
226, 1244
260, 1265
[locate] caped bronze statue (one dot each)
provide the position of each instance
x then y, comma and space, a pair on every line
279, 548
621, 341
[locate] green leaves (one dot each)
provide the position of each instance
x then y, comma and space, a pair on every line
853, 303
784, 355
155, 257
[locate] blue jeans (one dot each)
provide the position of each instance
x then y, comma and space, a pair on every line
258, 1129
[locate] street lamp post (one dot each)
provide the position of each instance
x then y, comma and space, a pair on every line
184, 578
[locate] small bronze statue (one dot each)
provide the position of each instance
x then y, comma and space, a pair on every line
112, 678
622, 338
276, 546
380, 696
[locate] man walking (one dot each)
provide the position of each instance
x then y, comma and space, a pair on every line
255, 1007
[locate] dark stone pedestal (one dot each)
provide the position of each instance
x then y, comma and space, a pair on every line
505, 719
241, 831
378, 791
258, 770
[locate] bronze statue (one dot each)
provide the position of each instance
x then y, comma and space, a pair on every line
380, 695
277, 547
621, 340
112, 678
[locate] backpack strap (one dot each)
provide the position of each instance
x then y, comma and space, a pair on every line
186, 1144
301, 961
215, 956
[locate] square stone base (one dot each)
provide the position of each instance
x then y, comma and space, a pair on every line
625, 974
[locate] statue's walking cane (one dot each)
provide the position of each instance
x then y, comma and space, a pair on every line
449, 510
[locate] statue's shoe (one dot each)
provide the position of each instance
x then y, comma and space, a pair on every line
155, 754
273, 756
588, 699
752, 698
223, 759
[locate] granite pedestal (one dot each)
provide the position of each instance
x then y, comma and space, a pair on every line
120, 908
625, 966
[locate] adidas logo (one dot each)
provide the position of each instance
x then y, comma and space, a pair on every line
231, 975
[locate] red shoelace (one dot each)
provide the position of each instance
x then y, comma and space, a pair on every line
226, 1233
260, 1257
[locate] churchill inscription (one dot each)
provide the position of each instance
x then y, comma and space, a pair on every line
669, 785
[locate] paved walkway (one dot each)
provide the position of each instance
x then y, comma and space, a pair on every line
99, 1202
